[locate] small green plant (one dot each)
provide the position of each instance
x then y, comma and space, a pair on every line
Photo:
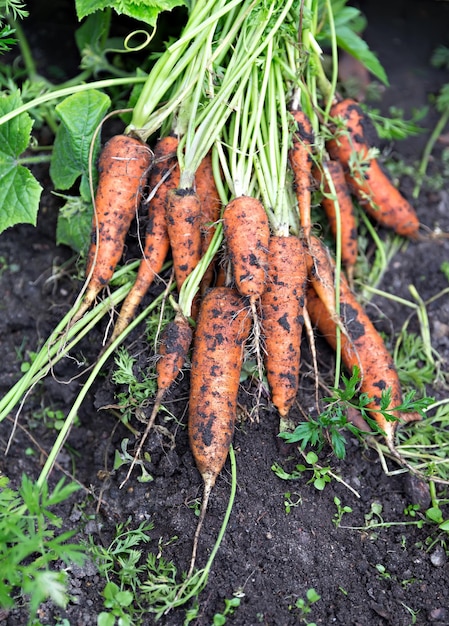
291, 501
341, 510
230, 605
383, 573
30, 543
305, 605
320, 475
329, 424
140, 388
123, 457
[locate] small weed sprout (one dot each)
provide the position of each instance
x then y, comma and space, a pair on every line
230, 606
341, 510
305, 605
291, 501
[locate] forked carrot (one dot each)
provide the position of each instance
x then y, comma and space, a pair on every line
369, 183
363, 347
123, 166
222, 330
282, 318
300, 156
164, 176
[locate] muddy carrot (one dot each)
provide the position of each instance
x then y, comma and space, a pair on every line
123, 166
183, 214
282, 318
206, 190
347, 217
164, 176
223, 326
362, 347
247, 232
367, 181
300, 157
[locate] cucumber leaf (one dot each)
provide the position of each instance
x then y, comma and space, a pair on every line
20, 192
74, 224
143, 10
80, 116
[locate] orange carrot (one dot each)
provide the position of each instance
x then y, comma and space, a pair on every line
183, 214
367, 181
362, 347
321, 272
164, 176
247, 232
347, 215
282, 318
210, 211
222, 329
123, 166
175, 343
300, 156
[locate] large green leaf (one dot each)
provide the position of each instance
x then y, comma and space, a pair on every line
349, 41
19, 190
143, 10
80, 116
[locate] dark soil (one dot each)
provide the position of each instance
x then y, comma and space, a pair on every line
268, 557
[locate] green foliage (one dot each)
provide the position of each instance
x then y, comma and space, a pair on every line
146, 11
29, 544
320, 475
395, 127
341, 510
137, 392
80, 115
19, 190
304, 605
349, 22
328, 425
219, 619
14, 9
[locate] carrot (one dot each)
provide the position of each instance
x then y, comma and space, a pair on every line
300, 156
368, 182
362, 347
164, 175
348, 223
183, 214
222, 329
247, 232
123, 165
282, 318
210, 211
175, 343
321, 272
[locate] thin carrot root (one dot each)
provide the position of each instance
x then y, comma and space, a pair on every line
282, 318
175, 343
123, 166
222, 330
367, 181
206, 190
301, 161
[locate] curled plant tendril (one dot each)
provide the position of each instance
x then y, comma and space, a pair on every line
129, 48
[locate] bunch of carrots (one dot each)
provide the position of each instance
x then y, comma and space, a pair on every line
235, 135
